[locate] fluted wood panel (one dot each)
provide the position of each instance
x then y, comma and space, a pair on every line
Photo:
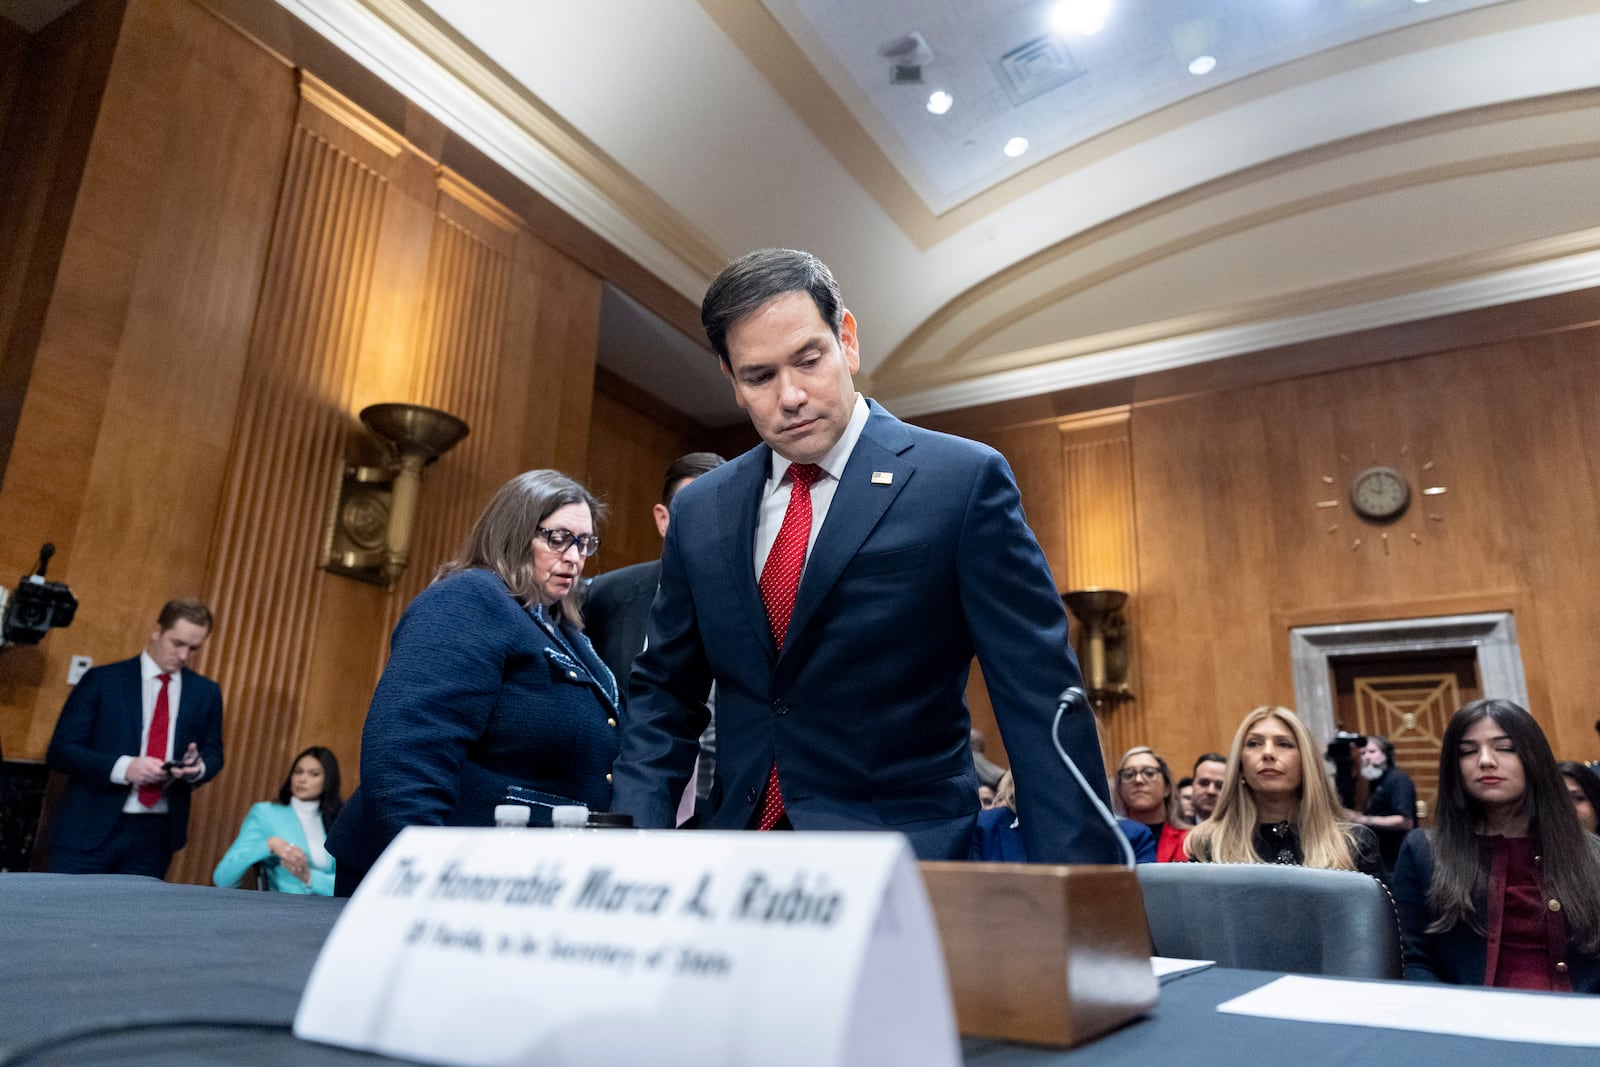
458, 364
263, 580
1097, 465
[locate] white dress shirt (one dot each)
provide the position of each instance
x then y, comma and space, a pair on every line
150, 686
775, 498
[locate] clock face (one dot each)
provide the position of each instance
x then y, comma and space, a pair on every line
1380, 494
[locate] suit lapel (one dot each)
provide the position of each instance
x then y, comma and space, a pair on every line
133, 724
739, 500
582, 652
859, 504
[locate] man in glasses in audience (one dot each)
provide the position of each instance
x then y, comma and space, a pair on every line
835, 582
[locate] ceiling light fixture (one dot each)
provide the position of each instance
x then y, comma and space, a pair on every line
1081, 17
1016, 146
940, 102
1202, 65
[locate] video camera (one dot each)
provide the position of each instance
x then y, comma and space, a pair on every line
37, 605
1342, 754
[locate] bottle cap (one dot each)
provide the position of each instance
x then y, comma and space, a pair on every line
512, 814
569, 816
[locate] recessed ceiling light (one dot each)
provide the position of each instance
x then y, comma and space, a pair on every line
1083, 17
1202, 65
1016, 146
940, 102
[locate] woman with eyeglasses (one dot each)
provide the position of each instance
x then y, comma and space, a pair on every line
1504, 890
491, 686
1278, 806
1146, 794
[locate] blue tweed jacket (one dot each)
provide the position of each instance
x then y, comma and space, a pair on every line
478, 695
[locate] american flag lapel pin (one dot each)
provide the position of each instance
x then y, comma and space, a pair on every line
882, 477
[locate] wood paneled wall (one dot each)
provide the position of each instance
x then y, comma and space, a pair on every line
252, 258
1229, 548
633, 438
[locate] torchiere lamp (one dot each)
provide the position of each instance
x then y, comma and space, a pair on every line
374, 507
1105, 644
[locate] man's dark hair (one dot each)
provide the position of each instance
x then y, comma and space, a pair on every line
1184, 783
690, 466
755, 278
187, 609
1209, 757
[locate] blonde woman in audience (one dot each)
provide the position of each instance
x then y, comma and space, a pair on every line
1144, 789
1277, 805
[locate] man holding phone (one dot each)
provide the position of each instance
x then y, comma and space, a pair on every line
134, 740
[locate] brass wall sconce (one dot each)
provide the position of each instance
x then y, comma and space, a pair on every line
1104, 645
368, 535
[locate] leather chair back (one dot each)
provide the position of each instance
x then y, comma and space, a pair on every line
1269, 917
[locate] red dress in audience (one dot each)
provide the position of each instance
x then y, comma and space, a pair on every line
1527, 932
1169, 847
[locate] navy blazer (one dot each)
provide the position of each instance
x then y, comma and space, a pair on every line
924, 560
1459, 955
102, 721
615, 610
478, 695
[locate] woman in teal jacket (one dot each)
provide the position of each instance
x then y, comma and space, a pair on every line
286, 835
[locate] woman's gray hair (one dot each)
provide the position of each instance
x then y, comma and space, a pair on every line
502, 539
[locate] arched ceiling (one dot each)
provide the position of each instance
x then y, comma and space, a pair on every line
1347, 164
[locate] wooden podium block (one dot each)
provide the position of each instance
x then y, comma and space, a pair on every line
1044, 954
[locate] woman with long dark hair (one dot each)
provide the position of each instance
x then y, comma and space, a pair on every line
288, 833
1504, 890
491, 689
1277, 805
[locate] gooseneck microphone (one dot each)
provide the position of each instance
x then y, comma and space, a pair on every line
1073, 695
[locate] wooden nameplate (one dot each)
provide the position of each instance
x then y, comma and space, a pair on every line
1050, 955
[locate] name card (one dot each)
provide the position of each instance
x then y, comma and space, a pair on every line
500, 947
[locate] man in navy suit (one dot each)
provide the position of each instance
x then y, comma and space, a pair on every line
850, 713
135, 739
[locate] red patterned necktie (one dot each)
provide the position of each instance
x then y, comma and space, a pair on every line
157, 745
780, 581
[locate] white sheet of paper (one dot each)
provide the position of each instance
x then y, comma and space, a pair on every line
498, 947
1501, 1015
1166, 966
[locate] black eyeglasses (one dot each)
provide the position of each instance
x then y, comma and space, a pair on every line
561, 540
1128, 774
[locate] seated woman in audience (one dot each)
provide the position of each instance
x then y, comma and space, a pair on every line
1583, 786
1504, 890
999, 835
491, 686
287, 834
1277, 805
1146, 793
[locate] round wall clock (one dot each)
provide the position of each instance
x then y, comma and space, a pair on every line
1380, 494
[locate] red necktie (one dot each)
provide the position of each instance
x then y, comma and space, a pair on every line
157, 745
780, 581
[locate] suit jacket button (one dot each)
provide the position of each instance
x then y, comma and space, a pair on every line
611, 722
1561, 968
781, 707
608, 777
750, 795
1555, 905
572, 674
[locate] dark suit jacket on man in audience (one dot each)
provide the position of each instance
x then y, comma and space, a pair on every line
617, 604
100, 825
923, 559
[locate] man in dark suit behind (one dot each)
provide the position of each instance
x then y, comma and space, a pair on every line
618, 602
134, 740
840, 700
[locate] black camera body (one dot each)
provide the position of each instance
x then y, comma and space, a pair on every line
37, 606
1341, 753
